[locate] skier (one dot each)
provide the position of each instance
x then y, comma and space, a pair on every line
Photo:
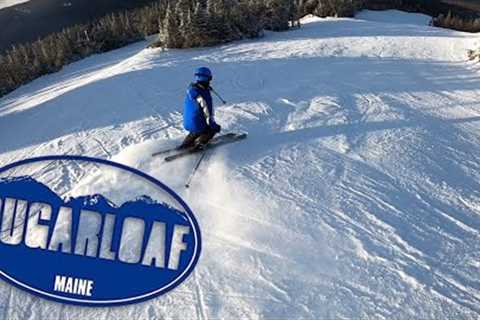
198, 115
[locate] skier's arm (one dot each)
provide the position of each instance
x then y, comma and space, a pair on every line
204, 107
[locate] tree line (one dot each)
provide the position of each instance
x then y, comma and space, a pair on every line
456, 22
179, 23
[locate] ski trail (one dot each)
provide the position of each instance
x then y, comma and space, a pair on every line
201, 309
8, 302
102, 147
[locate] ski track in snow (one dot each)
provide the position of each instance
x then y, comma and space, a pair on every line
356, 194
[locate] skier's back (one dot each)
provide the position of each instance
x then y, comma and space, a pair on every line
198, 115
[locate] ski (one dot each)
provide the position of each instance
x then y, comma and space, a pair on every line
221, 140
176, 148
164, 151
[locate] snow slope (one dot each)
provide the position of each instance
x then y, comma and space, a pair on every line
356, 195
9, 3
395, 16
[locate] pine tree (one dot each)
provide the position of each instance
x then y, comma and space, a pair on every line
183, 8
248, 19
279, 14
199, 28
448, 19
476, 25
219, 28
170, 35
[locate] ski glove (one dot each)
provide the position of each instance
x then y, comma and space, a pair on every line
215, 127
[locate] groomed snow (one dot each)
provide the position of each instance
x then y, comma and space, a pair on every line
356, 194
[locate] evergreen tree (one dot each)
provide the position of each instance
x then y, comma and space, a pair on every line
199, 28
279, 13
219, 27
170, 35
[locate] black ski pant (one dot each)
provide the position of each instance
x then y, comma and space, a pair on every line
196, 139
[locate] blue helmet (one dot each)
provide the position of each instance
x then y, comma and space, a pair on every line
203, 74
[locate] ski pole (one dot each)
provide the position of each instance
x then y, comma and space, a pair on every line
195, 168
219, 97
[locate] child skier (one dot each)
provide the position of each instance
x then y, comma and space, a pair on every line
198, 115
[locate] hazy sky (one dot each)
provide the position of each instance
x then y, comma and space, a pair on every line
8, 3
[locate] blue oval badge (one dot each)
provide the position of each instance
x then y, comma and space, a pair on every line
122, 238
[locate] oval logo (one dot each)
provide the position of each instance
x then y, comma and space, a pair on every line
113, 236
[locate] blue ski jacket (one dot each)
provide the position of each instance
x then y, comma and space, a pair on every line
198, 109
